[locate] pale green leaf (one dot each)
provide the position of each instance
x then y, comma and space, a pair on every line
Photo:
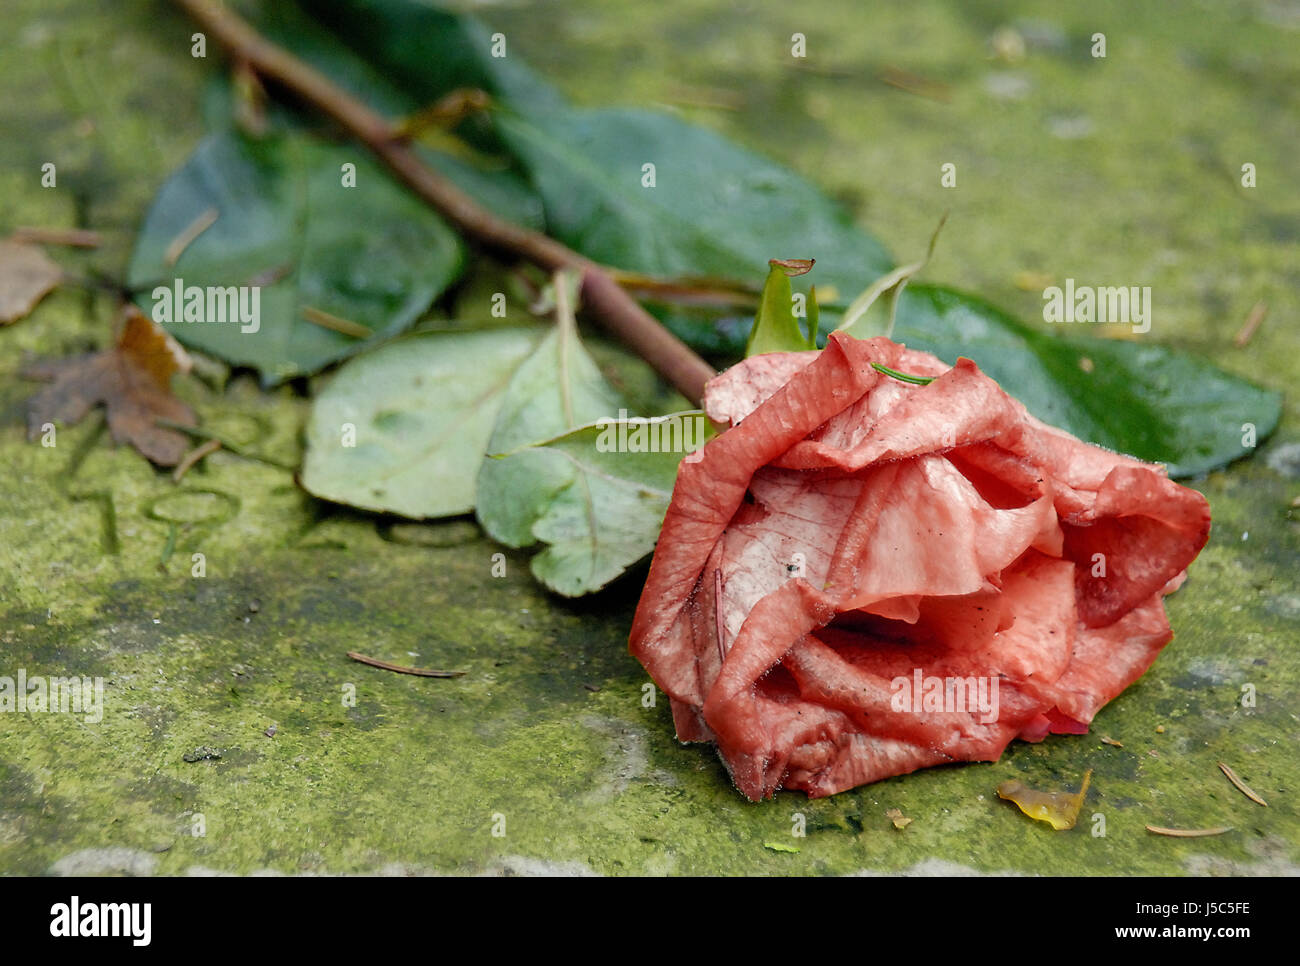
557, 389
609, 513
418, 412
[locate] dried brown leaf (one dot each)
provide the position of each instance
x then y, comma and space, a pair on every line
132, 381
27, 275
793, 266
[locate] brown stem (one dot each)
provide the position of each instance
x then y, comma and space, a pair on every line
610, 305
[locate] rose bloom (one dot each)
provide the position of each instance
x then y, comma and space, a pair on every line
851, 532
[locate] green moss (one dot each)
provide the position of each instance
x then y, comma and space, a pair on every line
547, 727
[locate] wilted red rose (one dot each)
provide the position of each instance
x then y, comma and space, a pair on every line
843, 570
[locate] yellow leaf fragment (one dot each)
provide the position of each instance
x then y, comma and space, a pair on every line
1030, 281
1058, 809
900, 820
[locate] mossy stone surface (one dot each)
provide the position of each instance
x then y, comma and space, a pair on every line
1123, 170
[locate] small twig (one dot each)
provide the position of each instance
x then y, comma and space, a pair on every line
714, 98
696, 290
269, 276
905, 80
614, 308
1241, 785
1242, 338
903, 376
1187, 833
421, 672
225, 443
336, 324
193, 456
190, 232
72, 237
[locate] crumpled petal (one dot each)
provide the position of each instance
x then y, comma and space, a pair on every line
851, 534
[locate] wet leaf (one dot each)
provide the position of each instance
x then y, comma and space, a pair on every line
132, 381
404, 428
560, 474
288, 230
1140, 398
398, 35
713, 208
27, 275
1058, 809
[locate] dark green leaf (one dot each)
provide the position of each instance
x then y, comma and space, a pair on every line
373, 254
1145, 400
499, 188
714, 209
430, 52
